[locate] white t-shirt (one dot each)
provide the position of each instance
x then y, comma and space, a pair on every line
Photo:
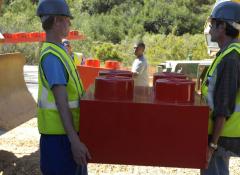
140, 66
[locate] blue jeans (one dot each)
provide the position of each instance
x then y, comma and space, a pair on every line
219, 164
56, 157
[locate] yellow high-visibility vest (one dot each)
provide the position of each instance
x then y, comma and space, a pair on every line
232, 125
49, 120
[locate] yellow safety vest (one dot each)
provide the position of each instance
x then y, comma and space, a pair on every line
49, 120
77, 59
232, 125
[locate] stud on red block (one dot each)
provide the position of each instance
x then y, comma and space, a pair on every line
114, 88
174, 91
168, 75
112, 64
92, 62
116, 73
73, 33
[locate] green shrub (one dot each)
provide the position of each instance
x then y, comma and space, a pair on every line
107, 51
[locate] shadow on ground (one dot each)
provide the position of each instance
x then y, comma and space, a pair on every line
26, 165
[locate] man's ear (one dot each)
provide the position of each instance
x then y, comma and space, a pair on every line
57, 20
222, 27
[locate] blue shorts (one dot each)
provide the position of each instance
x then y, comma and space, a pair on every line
56, 156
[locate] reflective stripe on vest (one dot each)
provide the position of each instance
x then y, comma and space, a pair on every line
232, 125
67, 66
49, 120
44, 104
77, 59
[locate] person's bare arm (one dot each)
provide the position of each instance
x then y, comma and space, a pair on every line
217, 129
79, 150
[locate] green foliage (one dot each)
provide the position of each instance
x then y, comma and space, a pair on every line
169, 28
177, 16
160, 48
19, 16
107, 51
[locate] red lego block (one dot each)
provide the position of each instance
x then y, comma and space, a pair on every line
144, 131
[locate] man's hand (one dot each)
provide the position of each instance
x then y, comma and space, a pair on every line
80, 152
210, 152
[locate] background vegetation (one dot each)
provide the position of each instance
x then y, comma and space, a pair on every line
171, 29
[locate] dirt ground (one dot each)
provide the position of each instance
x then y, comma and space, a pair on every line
19, 155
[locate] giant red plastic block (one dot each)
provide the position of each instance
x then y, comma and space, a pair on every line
144, 132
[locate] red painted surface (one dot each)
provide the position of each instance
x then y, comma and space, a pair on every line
92, 62
174, 90
110, 64
168, 75
144, 132
116, 73
88, 75
114, 88
24, 37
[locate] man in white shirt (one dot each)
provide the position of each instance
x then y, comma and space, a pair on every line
140, 66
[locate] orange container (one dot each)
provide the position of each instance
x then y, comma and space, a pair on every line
114, 88
92, 62
116, 73
112, 64
174, 91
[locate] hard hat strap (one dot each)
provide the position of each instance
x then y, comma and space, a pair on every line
234, 25
44, 18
